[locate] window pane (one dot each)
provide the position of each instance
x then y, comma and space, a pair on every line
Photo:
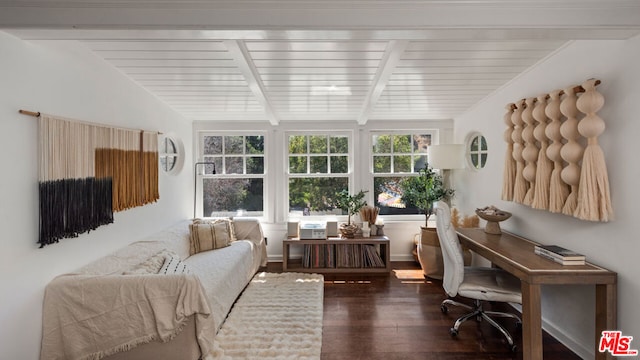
474, 160
483, 160
339, 164
315, 196
297, 144
402, 163
387, 195
419, 162
319, 164
483, 143
255, 165
212, 145
297, 164
208, 169
402, 143
318, 144
421, 143
233, 144
474, 144
381, 144
254, 144
339, 144
233, 165
382, 164
171, 162
224, 196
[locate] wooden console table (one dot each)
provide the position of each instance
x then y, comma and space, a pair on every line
380, 243
516, 255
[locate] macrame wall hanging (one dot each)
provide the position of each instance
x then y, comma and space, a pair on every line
88, 171
547, 165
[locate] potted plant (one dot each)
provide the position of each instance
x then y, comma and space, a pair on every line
350, 204
423, 191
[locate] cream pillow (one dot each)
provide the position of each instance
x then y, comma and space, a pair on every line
210, 235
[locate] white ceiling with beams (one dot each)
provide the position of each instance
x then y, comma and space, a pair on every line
321, 60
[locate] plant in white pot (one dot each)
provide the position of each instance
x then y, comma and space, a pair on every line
423, 191
350, 204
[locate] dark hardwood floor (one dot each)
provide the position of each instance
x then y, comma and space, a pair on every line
384, 317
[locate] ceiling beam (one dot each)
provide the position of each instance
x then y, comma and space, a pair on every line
388, 63
240, 55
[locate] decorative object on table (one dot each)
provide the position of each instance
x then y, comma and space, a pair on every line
560, 255
493, 216
350, 204
509, 175
594, 201
422, 191
564, 176
558, 189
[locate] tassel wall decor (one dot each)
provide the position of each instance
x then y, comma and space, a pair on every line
520, 184
554, 171
72, 199
530, 152
558, 189
594, 202
571, 152
86, 172
544, 165
509, 162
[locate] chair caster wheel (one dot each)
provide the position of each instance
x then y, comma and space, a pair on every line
453, 332
444, 309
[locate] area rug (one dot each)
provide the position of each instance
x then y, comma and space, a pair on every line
278, 316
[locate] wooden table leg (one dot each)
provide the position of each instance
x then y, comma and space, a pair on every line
531, 322
606, 315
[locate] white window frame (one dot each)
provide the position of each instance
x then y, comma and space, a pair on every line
220, 173
349, 175
435, 137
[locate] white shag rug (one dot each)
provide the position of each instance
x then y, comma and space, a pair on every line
278, 316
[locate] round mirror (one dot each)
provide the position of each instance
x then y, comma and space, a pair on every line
171, 154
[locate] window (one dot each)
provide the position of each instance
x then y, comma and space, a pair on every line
318, 168
477, 150
234, 182
171, 154
394, 157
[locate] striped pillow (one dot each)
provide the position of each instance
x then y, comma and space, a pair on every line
174, 265
210, 235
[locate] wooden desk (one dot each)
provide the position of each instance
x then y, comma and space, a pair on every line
515, 255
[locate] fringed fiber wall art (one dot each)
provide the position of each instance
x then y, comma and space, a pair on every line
547, 165
88, 171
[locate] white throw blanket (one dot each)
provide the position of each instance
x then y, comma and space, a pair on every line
133, 309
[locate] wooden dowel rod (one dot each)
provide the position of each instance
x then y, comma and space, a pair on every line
30, 113
37, 114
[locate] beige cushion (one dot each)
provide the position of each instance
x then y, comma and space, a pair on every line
210, 234
173, 265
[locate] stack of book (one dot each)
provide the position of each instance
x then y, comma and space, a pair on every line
560, 255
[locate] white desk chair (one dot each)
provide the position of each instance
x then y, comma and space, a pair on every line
476, 283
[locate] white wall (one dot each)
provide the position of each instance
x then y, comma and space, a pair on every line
568, 310
63, 79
